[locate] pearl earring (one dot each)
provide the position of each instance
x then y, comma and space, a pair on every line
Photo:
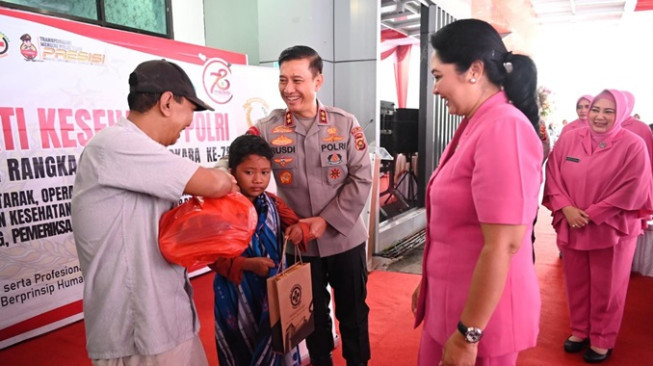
472, 80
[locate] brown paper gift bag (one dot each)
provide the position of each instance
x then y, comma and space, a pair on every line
290, 300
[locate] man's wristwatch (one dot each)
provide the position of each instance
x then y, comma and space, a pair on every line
471, 334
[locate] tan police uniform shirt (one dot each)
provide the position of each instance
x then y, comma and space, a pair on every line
323, 171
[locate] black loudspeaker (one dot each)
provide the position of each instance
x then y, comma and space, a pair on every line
387, 134
404, 130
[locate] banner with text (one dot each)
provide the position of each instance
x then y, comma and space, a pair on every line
61, 83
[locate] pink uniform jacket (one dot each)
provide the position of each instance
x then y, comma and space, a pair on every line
607, 182
642, 130
494, 177
578, 123
573, 125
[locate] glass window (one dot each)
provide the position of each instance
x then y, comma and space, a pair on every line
79, 8
149, 15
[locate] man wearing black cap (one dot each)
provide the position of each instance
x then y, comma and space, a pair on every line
138, 308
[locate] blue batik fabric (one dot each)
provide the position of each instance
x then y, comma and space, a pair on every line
242, 322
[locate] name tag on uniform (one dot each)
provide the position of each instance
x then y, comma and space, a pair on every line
575, 160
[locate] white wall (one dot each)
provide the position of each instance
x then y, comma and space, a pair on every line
459, 9
573, 60
344, 32
290, 22
233, 25
298, 22
188, 21
356, 50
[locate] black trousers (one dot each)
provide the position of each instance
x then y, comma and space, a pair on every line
347, 274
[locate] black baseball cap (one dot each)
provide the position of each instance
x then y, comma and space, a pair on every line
158, 76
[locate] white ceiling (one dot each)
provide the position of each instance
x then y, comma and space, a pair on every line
403, 15
581, 11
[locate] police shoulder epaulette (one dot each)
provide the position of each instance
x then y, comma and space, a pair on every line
336, 110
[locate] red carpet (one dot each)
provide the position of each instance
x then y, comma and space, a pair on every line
635, 342
394, 342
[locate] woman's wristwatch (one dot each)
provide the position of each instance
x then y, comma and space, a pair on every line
471, 334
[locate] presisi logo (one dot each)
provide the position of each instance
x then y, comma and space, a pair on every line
216, 79
63, 50
27, 48
4, 45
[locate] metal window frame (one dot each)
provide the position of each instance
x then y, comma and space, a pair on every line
434, 122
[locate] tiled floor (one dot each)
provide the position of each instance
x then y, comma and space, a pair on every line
411, 262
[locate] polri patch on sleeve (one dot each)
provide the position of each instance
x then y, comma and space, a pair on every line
360, 143
356, 130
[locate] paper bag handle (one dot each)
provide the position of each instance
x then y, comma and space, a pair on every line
298, 254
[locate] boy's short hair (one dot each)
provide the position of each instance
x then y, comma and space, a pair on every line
246, 145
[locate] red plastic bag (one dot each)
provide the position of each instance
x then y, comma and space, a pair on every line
200, 230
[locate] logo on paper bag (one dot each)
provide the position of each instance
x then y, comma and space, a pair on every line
217, 80
296, 296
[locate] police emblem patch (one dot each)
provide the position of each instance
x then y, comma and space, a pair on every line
359, 138
356, 130
282, 129
282, 140
333, 135
335, 173
285, 177
335, 159
283, 161
360, 143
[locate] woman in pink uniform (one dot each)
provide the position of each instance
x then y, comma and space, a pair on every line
582, 109
479, 298
598, 188
636, 126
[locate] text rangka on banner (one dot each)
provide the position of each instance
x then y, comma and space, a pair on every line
62, 82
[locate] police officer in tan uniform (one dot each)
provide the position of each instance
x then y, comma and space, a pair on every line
322, 168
